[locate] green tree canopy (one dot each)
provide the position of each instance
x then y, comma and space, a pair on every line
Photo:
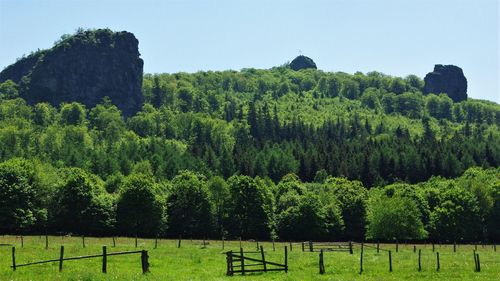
81, 204
188, 206
394, 218
140, 207
21, 195
249, 217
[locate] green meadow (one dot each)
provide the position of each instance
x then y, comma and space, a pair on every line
194, 261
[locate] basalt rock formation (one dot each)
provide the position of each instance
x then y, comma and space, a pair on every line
447, 79
302, 62
85, 67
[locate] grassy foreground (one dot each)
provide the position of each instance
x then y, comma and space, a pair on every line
193, 262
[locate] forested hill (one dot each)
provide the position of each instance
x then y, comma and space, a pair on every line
326, 128
289, 119
371, 127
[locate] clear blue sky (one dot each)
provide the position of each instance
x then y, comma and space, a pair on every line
392, 36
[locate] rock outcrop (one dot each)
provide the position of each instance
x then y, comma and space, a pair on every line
84, 67
302, 62
447, 79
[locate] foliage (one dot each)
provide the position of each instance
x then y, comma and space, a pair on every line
8, 90
21, 197
188, 206
249, 217
140, 207
81, 204
457, 216
352, 199
394, 217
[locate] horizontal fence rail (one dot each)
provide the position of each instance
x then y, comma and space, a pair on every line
104, 255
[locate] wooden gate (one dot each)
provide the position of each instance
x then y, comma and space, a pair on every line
242, 263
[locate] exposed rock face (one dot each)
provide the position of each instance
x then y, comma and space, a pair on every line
302, 62
85, 68
447, 79
22, 67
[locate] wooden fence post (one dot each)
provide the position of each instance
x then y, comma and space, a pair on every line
478, 263
14, 258
454, 246
291, 248
419, 258
390, 261
432, 246
114, 242
397, 246
242, 262
274, 248
302, 246
311, 246
475, 260
222, 242
22, 242
61, 258
229, 263
179, 243
257, 244
350, 247
144, 261
83, 241
495, 247
263, 258
377, 247
361, 260
136, 240
156, 242
104, 259
414, 248
437, 259
286, 260
321, 263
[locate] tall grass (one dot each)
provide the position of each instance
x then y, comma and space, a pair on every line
194, 262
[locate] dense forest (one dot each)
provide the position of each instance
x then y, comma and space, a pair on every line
255, 153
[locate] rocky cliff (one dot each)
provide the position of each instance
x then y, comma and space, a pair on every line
84, 67
302, 62
447, 79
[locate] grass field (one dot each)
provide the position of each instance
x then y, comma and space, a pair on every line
193, 262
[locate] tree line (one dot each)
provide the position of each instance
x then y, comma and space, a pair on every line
38, 198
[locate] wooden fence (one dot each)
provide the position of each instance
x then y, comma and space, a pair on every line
327, 246
236, 262
104, 256
477, 263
